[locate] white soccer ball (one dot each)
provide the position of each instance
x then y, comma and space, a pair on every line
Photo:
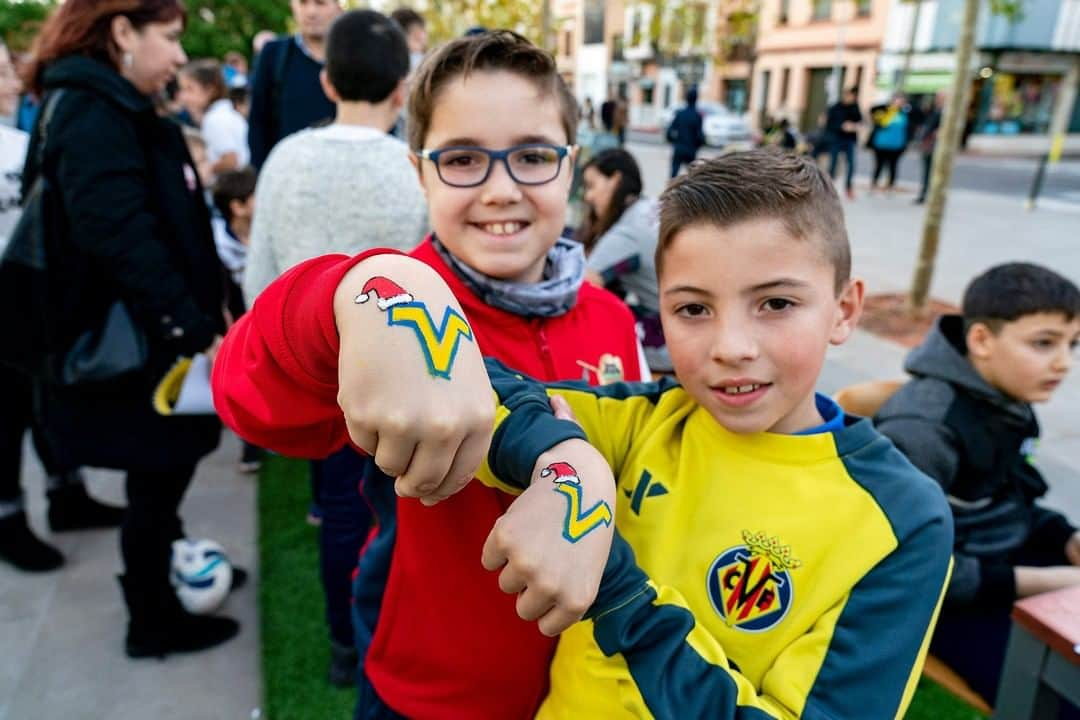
201, 574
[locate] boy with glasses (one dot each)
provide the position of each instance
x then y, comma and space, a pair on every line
492, 127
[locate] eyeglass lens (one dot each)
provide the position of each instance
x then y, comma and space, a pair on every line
530, 165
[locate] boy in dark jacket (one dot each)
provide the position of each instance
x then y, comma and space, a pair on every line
966, 420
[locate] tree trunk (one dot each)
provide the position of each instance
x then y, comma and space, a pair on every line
941, 171
545, 27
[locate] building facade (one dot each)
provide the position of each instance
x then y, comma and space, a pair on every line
807, 50
1020, 68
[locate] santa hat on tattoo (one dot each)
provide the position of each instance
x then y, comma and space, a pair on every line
386, 292
560, 472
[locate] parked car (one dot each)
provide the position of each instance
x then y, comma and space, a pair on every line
721, 126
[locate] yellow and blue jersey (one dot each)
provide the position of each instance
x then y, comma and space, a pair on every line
776, 576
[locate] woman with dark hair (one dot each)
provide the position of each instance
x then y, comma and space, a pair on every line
130, 225
620, 234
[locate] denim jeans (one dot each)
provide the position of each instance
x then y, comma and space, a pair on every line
847, 147
346, 518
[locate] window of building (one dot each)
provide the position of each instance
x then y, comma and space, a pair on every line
863, 8
785, 80
594, 22
785, 12
822, 10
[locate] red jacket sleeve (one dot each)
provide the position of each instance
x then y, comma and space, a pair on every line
275, 380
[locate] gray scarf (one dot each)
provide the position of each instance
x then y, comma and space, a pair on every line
554, 295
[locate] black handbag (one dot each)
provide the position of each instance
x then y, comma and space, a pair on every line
33, 302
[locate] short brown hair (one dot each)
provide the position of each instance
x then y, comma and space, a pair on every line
495, 50
84, 27
762, 183
207, 73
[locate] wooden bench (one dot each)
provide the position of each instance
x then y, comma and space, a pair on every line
1042, 664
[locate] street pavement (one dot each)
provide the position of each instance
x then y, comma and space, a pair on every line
62, 632
1004, 176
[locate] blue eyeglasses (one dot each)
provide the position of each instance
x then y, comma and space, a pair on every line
529, 164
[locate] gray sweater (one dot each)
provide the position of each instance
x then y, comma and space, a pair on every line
336, 189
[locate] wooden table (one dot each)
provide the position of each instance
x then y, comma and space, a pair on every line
1042, 664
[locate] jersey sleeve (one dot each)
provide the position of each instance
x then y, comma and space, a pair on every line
862, 658
608, 417
275, 379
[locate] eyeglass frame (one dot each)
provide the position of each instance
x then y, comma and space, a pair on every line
562, 151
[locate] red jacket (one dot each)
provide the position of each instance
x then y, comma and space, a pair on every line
448, 643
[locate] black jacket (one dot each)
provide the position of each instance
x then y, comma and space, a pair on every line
686, 133
135, 227
979, 444
286, 96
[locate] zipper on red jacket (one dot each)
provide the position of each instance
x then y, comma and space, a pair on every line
545, 349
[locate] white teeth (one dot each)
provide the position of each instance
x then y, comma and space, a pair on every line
508, 228
740, 389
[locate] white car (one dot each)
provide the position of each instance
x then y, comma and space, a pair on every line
725, 127
721, 126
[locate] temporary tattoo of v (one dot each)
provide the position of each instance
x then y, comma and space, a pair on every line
440, 344
577, 524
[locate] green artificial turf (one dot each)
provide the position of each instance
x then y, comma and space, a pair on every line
295, 649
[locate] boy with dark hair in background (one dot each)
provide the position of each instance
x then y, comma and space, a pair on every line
345, 187
966, 420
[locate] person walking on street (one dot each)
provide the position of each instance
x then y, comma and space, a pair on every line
928, 134
841, 125
686, 133
889, 139
133, 230
286, 94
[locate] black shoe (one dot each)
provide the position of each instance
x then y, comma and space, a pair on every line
23, 549
158, 625
344, 662
70, 508
919, 200
239, 578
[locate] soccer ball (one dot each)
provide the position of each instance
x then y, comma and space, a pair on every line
201, 574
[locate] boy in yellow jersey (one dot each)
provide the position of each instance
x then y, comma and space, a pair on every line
790, 562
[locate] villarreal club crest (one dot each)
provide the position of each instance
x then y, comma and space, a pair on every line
750, 585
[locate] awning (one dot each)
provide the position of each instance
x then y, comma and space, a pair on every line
919, 82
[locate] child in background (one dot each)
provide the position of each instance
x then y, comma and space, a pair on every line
966, 420
775, 536
196, 146
234, 200
437, 636
205, 96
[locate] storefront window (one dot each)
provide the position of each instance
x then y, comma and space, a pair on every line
1015, 103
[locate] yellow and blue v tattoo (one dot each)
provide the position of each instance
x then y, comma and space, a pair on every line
577, 524
438, 343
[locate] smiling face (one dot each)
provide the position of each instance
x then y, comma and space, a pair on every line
1027, 358
500, 228
748, 313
